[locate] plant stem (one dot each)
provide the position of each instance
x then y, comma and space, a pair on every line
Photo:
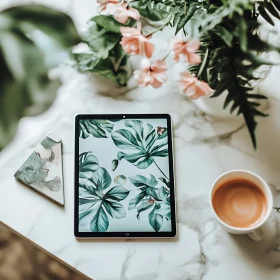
161, 170
203, 63
166, 55
118, 62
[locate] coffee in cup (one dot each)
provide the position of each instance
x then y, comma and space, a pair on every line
242, 202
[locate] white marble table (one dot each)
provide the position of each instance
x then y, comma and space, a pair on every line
204, 148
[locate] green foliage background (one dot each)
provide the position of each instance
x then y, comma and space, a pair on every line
24, 61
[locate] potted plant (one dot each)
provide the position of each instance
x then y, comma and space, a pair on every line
218, 41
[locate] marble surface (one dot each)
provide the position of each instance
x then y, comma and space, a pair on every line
204, 148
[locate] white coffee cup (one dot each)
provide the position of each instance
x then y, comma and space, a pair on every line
255, 232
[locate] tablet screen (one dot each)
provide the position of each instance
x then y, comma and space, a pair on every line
124, 180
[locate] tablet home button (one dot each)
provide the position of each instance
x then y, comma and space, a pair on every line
127, 234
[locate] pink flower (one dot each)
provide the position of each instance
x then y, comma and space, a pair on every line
103, 4
154, 74
186, 49
192, 87
134, 43
121, 12
160, 130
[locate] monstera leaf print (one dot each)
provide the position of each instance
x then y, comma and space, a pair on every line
96, 128
88, 164
96, 202
151, 197
144, 142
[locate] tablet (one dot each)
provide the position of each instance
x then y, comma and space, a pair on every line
124, 180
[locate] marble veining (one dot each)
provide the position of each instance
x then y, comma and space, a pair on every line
204, 148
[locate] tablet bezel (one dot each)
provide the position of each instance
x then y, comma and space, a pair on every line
87, 235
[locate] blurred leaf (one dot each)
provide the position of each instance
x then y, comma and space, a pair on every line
107, 23
224, 34
86, 61
24, 84
100, 41
242, 34
55, 24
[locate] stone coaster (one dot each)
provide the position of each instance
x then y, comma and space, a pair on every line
42, 171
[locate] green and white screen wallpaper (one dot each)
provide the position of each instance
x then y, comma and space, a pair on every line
124, 183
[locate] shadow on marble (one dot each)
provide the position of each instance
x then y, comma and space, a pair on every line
264, 253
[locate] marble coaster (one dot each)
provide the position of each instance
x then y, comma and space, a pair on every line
42, 171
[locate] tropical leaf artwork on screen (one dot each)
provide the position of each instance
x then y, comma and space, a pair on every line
102, 198
153, 198
222, 44
97, 199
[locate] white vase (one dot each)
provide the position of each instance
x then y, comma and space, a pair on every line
213, 107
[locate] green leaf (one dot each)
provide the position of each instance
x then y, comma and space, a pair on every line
86, 61
221, 87
145, 163
177, 17
265, 15
100, 221
167, 183
92, 201
140, 181
143, 142
163, 193
243, 34
55, 24
101, 179
133, 202
85, 182
88, 164
164, 209
121, 77
107, 23
115, 164
155, 220
117, 193
160, 153
271, 8
257, 96
277, 4
84, 214
259, 113
124, 139
152, 26
138, 127
96, 128
103, 43
132, 158
115, 209
120, 180
26, 90
145, 205
224, 34
185, 18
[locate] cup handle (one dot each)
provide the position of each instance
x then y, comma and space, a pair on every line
256, 235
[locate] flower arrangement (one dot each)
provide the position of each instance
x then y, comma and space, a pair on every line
219, 40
